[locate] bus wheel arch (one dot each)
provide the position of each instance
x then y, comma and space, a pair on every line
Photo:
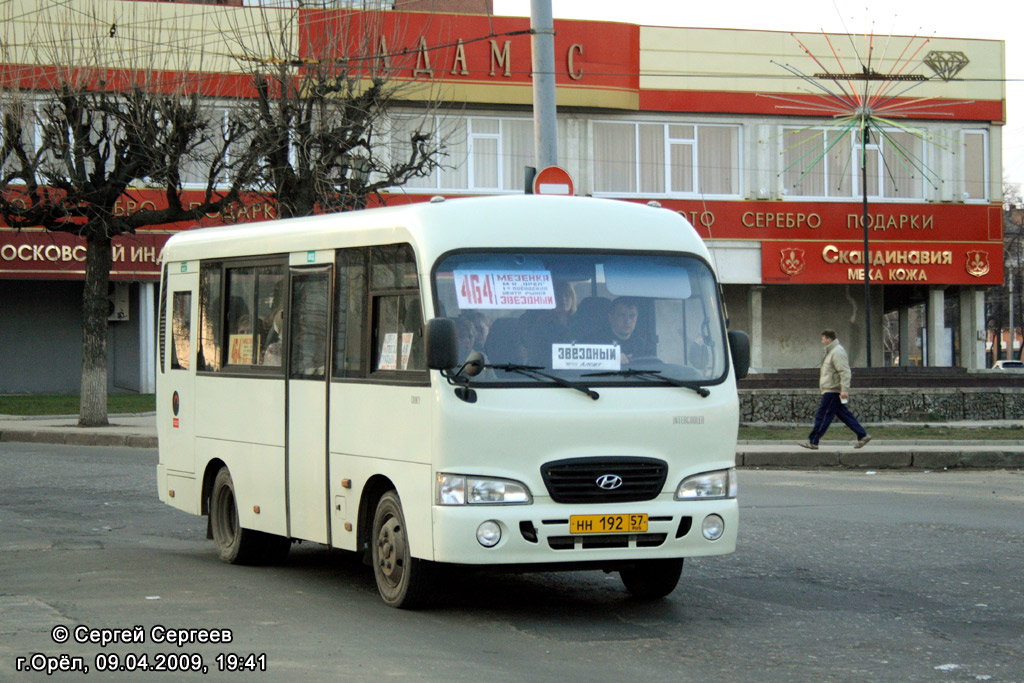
236, 544
376, 486
209, 475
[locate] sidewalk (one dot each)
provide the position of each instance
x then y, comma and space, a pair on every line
139, 431
132, 431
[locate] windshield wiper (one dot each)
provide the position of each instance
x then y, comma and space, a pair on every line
535, 371
703, 392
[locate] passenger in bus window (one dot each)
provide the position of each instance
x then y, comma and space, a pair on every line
466, 336
273, 327
481, 328
622, 322
551, 326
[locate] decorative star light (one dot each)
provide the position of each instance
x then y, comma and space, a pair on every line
858, 97
874, 104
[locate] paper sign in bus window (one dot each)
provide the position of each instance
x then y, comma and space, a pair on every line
240, 349
389, 352
585, 357
504, 289
406, 349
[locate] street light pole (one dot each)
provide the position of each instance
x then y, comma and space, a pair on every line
1013, 335
867, 253
545, 121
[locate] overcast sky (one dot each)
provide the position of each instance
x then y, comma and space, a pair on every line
997, 19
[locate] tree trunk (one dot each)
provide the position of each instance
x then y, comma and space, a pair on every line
92, 410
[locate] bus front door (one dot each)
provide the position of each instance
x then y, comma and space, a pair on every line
176, 385
308, 346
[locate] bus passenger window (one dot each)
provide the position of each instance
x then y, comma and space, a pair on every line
394, 267
271, 297
349, 312
256, 298
210, 338
181, 330
398, 333
308, 332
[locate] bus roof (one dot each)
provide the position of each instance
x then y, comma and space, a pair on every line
437, 227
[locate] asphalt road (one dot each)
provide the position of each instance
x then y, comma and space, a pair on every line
839, 576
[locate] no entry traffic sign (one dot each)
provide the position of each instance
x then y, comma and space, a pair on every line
553, 180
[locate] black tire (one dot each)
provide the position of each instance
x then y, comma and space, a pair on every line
236, 545
652, 579
400, 577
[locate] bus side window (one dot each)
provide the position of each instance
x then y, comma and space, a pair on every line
397, 339
181, 329
350, 313
210, 338
254, 312
308, 329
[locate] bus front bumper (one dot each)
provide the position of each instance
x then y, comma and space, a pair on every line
542, 533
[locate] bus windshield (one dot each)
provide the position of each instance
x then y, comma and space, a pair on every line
597, 317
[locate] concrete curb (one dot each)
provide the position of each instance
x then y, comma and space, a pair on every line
912, 455
893, 459
83, 438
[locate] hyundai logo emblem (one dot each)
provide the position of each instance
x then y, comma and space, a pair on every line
609, 482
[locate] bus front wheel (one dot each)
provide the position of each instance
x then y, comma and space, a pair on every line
652, 579
236, 545
400, 577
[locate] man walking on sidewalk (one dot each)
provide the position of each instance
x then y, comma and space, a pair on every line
835, 392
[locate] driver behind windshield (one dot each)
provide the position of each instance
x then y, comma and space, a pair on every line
622, 319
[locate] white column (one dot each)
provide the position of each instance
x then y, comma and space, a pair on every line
972, 328
147, 338
906, 336
756, 321
936, 314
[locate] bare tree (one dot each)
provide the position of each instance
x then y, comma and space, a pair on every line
324, 137
1000, 299
82, 127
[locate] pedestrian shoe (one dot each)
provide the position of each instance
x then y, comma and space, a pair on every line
808, 444
862, 442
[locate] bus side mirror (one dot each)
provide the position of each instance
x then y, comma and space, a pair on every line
739, 347
441, 340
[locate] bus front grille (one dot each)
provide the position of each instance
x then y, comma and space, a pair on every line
619, 479
606, 541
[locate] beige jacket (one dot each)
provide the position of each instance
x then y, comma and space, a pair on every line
835, 369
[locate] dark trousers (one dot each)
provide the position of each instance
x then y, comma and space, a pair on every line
829, 408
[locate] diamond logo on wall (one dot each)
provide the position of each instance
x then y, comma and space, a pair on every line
946, 63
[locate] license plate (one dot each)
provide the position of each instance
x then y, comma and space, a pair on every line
607, 524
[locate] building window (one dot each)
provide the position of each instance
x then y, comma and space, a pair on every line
975, 155
666, 159
195, 168
484, 154
820, 163
15, 173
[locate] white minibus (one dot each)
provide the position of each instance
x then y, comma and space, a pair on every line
516, 382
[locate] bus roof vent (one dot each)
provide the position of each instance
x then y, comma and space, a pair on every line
436, 199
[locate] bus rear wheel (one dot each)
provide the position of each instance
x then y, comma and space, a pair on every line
652, 579
400, 577
236, 545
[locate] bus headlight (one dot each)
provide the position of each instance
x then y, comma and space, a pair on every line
709, 485
459, 489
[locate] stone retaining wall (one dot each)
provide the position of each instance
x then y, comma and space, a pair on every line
885, 405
